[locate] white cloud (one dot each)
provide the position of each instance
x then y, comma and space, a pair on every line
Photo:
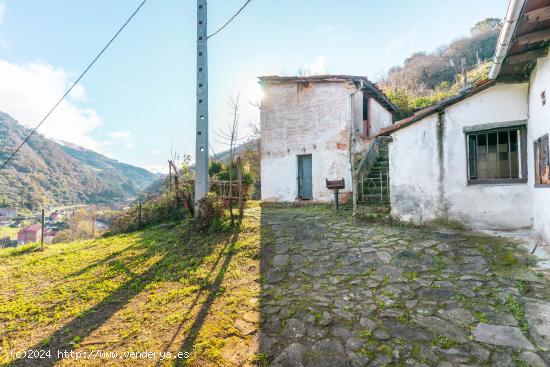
155, 151
318, 67
28, 92
325, 29
123, 136
157, 168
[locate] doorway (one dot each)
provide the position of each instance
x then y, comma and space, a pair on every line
305, 185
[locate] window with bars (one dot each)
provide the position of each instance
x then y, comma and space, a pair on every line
496, 156
542, 162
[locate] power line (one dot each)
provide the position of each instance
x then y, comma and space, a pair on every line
213, 152
74, 84
230, 19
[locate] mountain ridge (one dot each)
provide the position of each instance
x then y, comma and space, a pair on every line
45, 172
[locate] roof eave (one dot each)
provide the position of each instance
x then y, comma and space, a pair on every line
436, 108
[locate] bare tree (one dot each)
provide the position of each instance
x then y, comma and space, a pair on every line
181, 175
231, 137
233, 133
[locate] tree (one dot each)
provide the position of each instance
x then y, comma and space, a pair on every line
427, 77
231, 137
486, 25
252, 158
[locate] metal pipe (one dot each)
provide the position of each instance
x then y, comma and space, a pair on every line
351, 139
505, 37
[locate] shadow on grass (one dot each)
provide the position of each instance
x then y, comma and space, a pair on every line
213, 292
23, 250
171, 266
97, 264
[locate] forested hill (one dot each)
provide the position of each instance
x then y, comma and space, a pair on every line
427, 77
47, 173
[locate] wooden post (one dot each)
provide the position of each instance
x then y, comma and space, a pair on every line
93, 221
170, 175
240, 186
140, 223
42, 229
176, 183
355, 188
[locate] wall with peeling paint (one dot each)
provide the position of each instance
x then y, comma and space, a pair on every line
297, 119
308, 118
379, 117
428, 166
539, 125
414, 171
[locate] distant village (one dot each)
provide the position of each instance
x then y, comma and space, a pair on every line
60, 224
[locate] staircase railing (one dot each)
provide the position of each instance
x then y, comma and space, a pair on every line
369, 158
365, 164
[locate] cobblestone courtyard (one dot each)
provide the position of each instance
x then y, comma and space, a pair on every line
335, 294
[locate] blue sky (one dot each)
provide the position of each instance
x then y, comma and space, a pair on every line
138, 102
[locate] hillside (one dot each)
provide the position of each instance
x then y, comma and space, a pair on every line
428, 77
48, 173
134, 292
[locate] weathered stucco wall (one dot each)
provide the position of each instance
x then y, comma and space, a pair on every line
304, 119
379, 117
432, 153
413, 172
539, 124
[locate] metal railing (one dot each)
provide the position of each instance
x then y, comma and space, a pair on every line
373, 187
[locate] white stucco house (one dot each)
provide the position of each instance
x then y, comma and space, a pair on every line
310, 129
482, 157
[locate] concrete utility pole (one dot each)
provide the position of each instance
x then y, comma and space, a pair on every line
201, 151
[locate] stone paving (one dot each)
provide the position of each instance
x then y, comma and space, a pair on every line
337, 294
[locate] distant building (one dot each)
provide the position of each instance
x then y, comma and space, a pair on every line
100, 225
8, 212
5, 242
29, 235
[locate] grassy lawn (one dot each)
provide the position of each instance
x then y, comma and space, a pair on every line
163, 289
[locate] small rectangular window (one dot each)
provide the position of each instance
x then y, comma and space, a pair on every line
542, 162
494, 156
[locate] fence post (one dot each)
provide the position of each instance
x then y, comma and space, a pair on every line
355, 194
169, 175
42, 229
240, 186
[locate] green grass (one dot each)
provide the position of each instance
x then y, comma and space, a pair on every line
519, 313
443, 342
6, 231
158, 289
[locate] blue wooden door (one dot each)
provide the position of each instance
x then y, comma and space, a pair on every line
305, 190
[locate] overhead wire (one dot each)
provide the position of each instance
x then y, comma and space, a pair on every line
5, 163
230, 19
